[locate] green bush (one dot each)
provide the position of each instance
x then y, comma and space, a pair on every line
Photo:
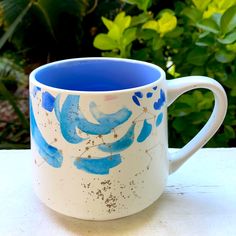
44, 29
183, 37
33, 32
192, 38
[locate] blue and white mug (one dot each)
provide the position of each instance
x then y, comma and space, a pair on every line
99, 134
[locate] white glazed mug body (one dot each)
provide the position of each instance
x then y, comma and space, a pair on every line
102, 154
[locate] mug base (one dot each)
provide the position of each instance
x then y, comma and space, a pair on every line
106, 217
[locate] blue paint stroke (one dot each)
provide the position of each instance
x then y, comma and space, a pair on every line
154, 88
110, 120
121, 144
159, 119
149, 95
49, 153
57, 107
160, 102
98, 166
48, 101
36, 89
138, 94
135, 100
145, 131
69, 119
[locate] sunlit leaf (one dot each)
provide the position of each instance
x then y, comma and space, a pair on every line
166, 23
208, 25
152, 25
104, 42
201, 5
228, 20
114, 32
108, 23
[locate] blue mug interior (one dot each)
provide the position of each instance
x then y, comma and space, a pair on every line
97, 75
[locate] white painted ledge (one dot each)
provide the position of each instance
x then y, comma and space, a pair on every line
199, 200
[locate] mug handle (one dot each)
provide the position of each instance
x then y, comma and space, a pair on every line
179, 86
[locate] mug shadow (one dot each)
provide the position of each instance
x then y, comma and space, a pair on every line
123, 226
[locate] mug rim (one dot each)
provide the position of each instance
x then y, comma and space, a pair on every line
34, 81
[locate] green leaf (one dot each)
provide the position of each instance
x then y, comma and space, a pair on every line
188, 99
165, 12
192, 13
203, 34
228, 20
205, 101
166, 23
228, 39
197, 56
179, 124
201, 5
119, 18
208, 25
152, 25
217, 18
122, 21
104, 42
114, 32
181, 109
198, 95
129, 36
111, 54
140, 19
14, 25
108, 23
46, 17
224, 56
172, 71
197, 118
175, 32
157, 43
205, 42
179, 6
141, 4
231, 47
146, 34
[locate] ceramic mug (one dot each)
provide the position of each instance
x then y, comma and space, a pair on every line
99, 134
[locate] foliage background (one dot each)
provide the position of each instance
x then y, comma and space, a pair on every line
191, 37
